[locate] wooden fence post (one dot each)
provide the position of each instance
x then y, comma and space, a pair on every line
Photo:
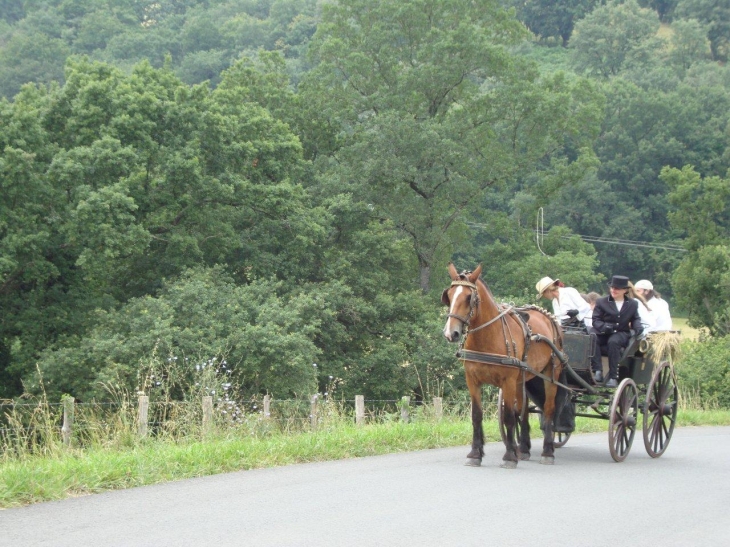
207, 414
404, 417
144, 403
359, 409
313, 411
438, 408
68, 419
267, 407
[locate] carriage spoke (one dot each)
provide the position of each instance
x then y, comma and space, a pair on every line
660, 410
622, 419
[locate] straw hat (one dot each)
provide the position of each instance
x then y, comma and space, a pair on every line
544, 284
644, 284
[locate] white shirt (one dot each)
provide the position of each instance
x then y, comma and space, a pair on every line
660, 311
648, 319
570, 299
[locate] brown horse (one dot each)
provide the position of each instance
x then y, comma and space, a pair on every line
503, 347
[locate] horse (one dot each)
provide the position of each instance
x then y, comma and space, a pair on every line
504, 347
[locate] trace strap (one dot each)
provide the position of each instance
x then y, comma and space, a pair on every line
503, 360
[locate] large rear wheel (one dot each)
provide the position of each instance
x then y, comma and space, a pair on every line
660, 410
622, 419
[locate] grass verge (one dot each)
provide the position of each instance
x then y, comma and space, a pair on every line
33, 479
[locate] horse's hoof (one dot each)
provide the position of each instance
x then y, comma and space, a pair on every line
473, 462
524, 456
508, 464
547, 460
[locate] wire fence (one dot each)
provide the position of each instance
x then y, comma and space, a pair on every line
42, 427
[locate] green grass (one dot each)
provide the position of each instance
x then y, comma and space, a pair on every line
688, 333
74, 472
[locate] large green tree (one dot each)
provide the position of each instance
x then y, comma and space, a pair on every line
550, 19
432, 110
716, 15
613, 37
702, 280
113, 183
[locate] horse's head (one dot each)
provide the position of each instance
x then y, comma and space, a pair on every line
462, 299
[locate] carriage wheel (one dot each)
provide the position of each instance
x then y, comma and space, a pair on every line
622, 419
560, 438
500, 419
660, 410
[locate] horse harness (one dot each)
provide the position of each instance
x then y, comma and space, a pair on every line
505, 360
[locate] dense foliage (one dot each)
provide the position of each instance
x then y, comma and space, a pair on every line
280, 183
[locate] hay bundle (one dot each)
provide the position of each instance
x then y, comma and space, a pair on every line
664, 346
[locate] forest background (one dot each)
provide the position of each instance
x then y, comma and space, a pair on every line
276, 187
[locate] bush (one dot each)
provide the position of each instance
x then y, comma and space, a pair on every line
704, 370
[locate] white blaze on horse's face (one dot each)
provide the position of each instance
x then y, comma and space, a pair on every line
453, 328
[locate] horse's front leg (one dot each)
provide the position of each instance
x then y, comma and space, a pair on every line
474, 457
510, 417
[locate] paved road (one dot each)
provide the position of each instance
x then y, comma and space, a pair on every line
425, 498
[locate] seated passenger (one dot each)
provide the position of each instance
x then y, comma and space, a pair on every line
564, 299
591, 298
648, 319
658, 306
614, 317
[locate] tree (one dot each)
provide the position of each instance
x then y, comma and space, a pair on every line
702, 280
432, 111
716, 15
663, 8
614, 36
113, 183
688, 44
549, 19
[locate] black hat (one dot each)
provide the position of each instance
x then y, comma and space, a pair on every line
619, 282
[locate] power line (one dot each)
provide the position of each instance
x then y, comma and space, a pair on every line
599, 239
629, 243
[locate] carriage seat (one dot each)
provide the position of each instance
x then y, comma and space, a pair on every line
629, 351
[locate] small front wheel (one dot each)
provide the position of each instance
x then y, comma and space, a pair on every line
560, 438
622, 419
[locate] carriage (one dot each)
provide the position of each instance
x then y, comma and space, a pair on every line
542, 367
647, 388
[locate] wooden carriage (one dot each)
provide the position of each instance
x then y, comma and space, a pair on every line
647, 387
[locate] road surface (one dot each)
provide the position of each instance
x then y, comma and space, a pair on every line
425, 498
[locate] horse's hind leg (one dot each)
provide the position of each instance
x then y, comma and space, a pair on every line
474, 458
510, 417
524, 430
548, 448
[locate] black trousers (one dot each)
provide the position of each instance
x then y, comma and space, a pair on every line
612, 345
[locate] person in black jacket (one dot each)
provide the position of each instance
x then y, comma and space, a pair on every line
614, 318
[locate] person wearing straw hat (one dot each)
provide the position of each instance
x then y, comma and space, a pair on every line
614, 318
564, 299
659, 307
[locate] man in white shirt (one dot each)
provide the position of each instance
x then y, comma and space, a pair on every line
658, 306
564, 299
